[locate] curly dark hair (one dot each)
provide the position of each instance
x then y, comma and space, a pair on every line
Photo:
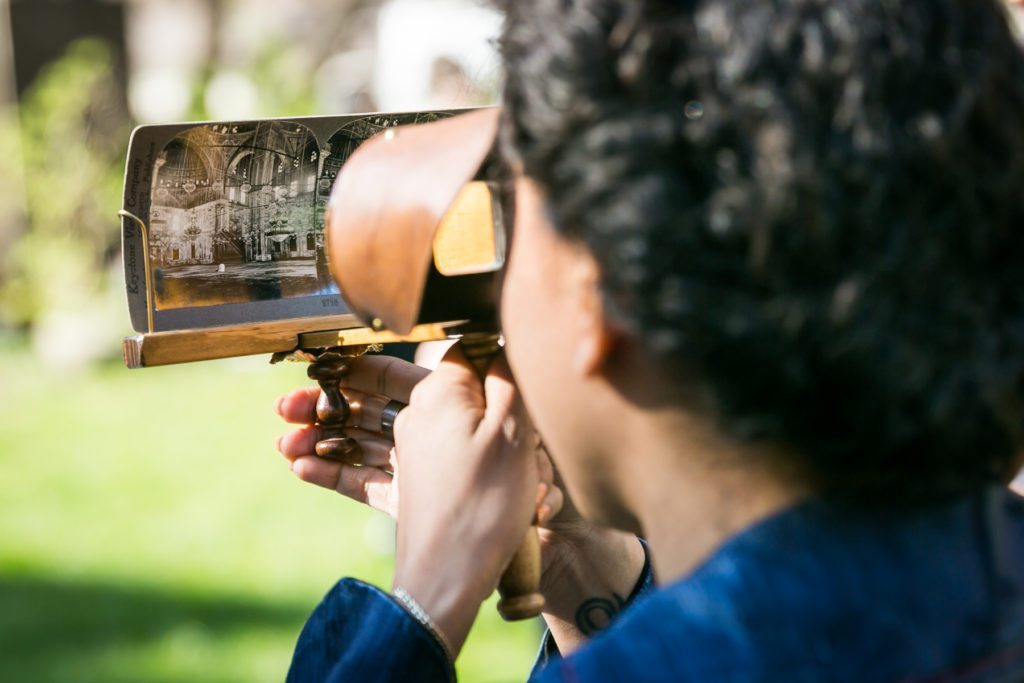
816, 208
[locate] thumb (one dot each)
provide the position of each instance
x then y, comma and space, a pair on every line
501, 396
455, 362
456, 371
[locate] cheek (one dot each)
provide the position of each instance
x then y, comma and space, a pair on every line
528, 316
518, 316
534, 339
534, 310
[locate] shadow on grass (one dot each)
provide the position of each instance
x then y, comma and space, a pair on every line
51, 626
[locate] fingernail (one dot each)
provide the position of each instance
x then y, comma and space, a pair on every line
277, 443
277, 404
542, 491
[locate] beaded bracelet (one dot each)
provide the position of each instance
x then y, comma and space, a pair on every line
418, 613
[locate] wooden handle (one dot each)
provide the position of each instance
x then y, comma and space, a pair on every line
332, 410
519, 586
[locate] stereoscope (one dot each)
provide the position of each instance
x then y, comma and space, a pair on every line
319, 238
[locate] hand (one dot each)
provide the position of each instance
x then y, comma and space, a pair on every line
469, 478
579, 560
371, 383
449, 405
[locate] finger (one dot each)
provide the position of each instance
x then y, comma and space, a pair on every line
366, 409
457, 367
550, 506
454, 385
384, 375
501, 395
429, 354
314, 470
375, 450
367, 485
299, 406
545, 470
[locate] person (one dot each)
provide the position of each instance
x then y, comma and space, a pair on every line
764, 308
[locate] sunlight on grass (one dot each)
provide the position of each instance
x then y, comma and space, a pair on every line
150, 532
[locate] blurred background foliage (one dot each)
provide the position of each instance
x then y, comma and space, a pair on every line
149, 531
62, 259
92, 69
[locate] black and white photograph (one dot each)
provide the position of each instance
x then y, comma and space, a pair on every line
238, 209
347, 139
235, 216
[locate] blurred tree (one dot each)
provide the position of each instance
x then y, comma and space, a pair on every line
12, 194
42, 29
72, 132
281, 65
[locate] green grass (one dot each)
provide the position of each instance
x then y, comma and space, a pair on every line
150, 532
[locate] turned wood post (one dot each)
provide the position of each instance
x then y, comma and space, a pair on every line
332, 410
519, 586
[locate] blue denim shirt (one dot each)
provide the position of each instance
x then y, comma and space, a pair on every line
814, 593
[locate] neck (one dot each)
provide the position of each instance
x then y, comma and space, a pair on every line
707, 491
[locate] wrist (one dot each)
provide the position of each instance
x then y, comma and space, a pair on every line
587, 582
605, 560
449, 603
419, 614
